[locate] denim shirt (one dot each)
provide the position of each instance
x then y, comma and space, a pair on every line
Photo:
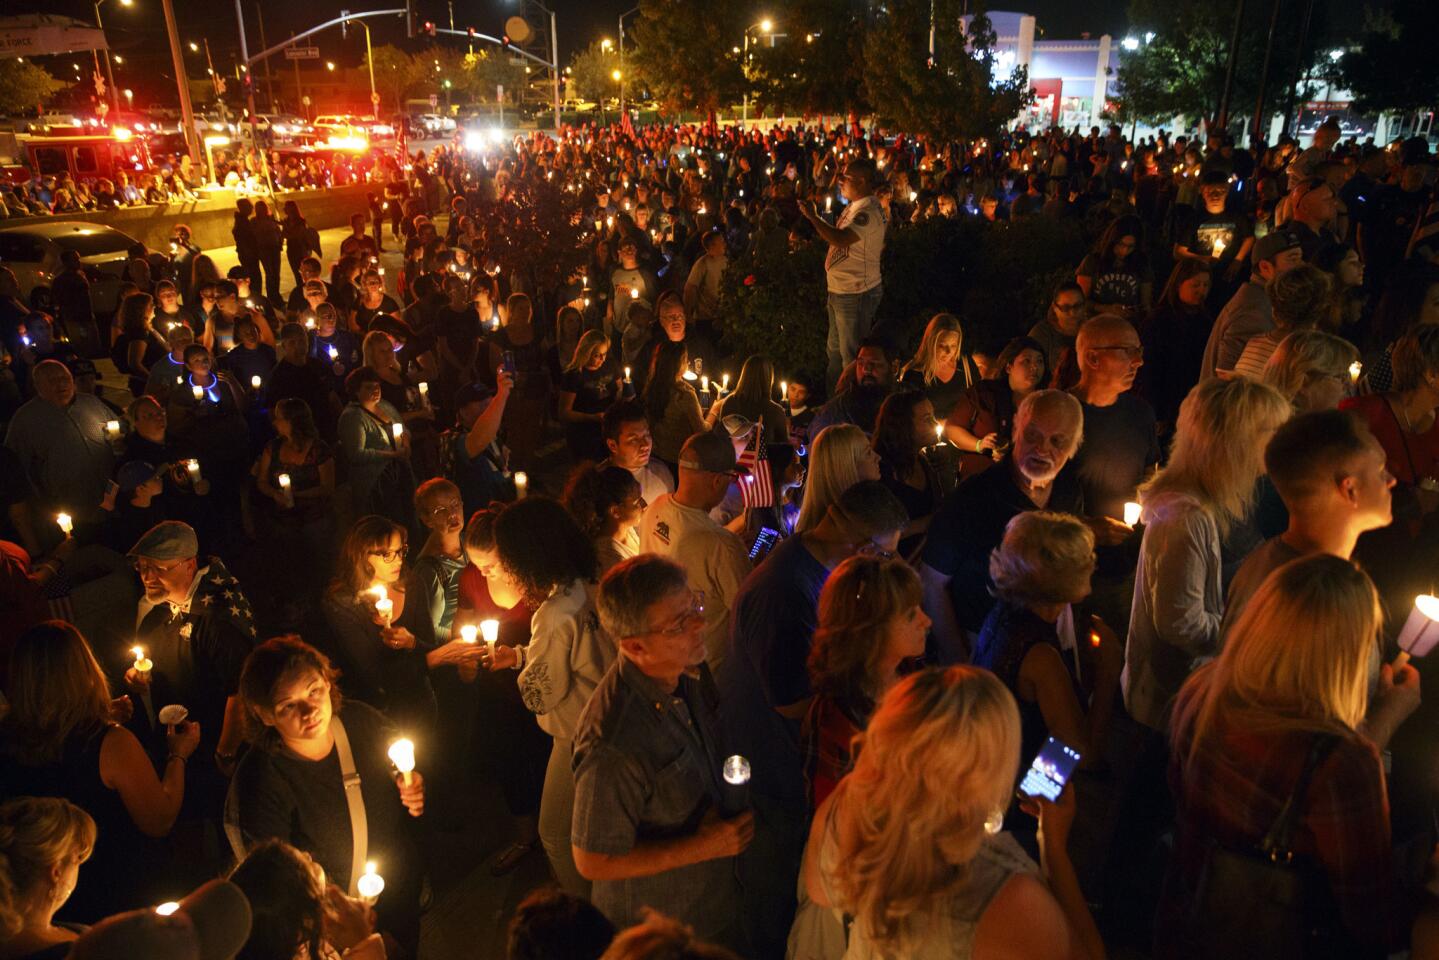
647, 768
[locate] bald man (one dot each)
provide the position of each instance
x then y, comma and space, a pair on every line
59, 436
1120, 447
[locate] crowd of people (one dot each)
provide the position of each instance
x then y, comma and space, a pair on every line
765, 663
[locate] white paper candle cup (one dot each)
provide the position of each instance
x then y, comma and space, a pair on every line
736, 770
1421, 630
1131, 513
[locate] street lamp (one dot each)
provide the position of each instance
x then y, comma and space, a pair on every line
615, 75
129, 99
606, 43
765, 26
109, 70
194, 47
330, 65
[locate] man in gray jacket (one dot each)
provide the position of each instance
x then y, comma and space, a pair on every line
1247, 314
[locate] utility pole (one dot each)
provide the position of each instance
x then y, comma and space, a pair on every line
1223, 119
250, 99
187, 112
269, 77
1264, 76
1298, 67
299, 94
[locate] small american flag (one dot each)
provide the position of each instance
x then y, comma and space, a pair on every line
755, 487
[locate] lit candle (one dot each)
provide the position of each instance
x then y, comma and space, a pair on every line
724, 383
1131, 513
334, 354
167, 908
397, 430
1218, 246
490, 629
402, 755
783, 391
309, 321
284, 481
468, 633
704, 383
197, 391
736, 770
828, 204
1356, 370
371, 884
522, 484
634, 293
66, 524
255, 382
193, 468
380, 271
112, 429
143, 665
1421, 630
939, 434
627, 373
384, 606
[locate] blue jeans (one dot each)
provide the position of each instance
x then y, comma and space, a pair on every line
851, 317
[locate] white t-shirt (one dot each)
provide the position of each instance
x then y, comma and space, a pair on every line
706, 274
855, 268
714, 560
654, 479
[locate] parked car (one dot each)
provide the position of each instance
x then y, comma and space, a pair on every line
33, 253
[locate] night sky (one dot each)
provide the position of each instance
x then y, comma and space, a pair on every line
137, 33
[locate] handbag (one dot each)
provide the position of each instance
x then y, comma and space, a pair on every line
1259, 902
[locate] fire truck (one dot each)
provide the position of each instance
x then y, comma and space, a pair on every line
87, 154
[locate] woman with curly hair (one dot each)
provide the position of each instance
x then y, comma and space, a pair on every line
607, 505
906, 845
545, 559
297, 913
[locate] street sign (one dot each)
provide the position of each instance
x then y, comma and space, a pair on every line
302, 53
434, 100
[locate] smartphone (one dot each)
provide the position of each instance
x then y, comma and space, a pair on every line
1050, 770
507, 361
764, 543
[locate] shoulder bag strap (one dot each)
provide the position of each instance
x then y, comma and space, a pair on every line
359, 826
1277, 843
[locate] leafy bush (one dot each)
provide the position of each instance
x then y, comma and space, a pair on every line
774, 303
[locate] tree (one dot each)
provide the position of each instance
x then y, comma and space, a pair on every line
683, 53
1392, 66
819, 66
395, 73
25, 86
592, 73
485, 70
952, 96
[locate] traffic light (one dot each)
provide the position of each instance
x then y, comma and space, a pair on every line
429, 28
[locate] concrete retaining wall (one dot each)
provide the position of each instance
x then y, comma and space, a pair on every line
209, 220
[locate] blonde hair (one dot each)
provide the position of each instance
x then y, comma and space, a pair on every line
1217, 453
585, 347
1304, 355
36, 834
925, 357
1044, 558
1297, 658
940, 755
833, 468
377, 343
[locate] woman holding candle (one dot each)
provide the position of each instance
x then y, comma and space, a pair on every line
296, 476
60, 738
403, 395
526, 411
504, 741
753, 399
940, 367
138, 347
983, 418
841, 457
671, 403
378, 462
902, 432
294, 904
383, 643
588, 385
545, 557
290, 787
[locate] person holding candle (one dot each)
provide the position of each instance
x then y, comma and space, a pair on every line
608, 505
902, 433
1312, 369
1312, 623
647, 830
338, 349
545, 559
471, 452
251, 358
385, 653
295, 475
195, 624
503, 739
289, 786
295, 904
169, 371
588, 386
940, 366
671, 403
753, 399
94, 762
59, 438
139, 346
299, 376
381, 479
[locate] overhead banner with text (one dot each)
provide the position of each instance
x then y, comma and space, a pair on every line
43, 35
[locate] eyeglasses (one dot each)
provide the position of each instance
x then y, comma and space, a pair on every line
145, 567
1132, 352
442, 509
1069, 307
684, 620
390, 556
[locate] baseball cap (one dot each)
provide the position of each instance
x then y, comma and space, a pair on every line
472, 393
134, 474
710, 452
212, 923
80, 367
737, 425
168, 540
1273, 244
